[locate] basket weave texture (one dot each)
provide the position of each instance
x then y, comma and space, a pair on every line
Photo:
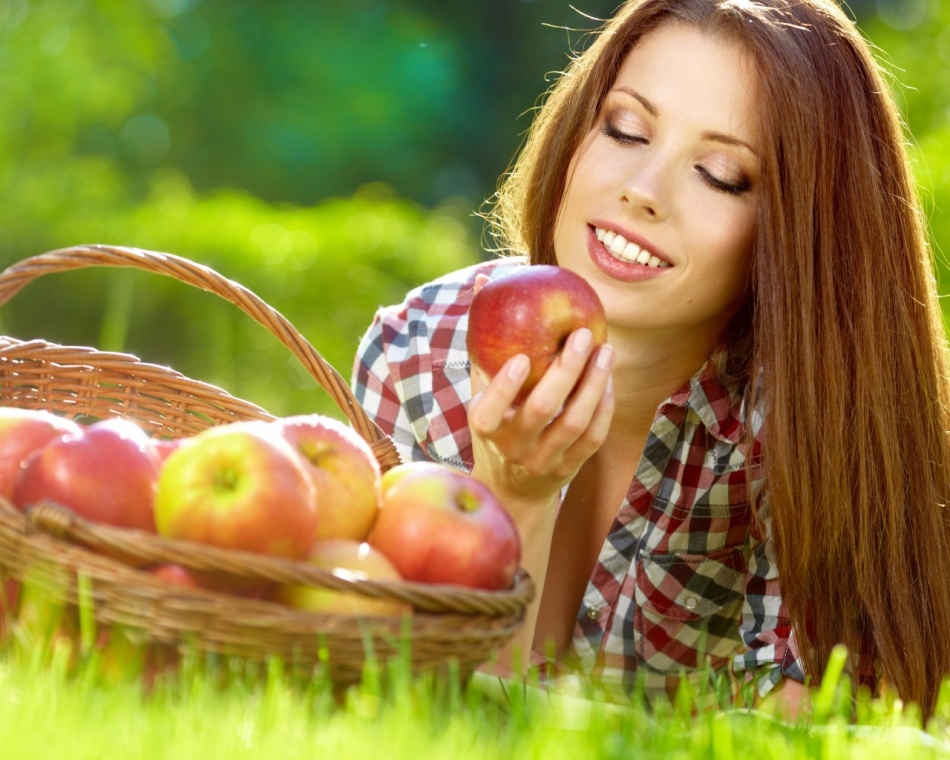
57, 548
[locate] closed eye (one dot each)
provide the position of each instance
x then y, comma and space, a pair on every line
621, 137
733, 188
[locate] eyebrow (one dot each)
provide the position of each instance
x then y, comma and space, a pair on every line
651, 109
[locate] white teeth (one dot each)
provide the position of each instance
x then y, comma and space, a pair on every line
620, 247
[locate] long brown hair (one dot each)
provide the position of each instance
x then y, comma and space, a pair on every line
842, 321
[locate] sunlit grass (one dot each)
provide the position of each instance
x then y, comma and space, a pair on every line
70, 689
63, 697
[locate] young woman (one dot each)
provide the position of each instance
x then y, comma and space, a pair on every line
756, 467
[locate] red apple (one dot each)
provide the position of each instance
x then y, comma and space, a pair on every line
23, 432
345, 474
441, 525
175, 575
531, 311
350, 559
106, 473
238, 486
165, 446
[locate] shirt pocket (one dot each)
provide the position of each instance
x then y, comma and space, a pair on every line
688, 607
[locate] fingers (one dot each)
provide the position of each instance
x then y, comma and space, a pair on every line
492, 400
557, 384
569, 411
583, 425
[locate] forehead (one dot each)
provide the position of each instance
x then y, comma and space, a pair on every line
684, 71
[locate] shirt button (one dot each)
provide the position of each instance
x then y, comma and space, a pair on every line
691, 602
594, 613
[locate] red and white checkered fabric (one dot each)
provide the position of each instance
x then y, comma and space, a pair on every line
683, 581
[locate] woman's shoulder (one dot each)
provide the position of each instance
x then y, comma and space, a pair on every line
447, 297
459, 286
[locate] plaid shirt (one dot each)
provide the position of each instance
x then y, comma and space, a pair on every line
687, 575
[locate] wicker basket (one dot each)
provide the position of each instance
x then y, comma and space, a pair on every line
448, 623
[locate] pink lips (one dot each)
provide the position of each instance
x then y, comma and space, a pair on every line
626, 271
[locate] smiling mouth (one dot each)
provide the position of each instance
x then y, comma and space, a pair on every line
624, 250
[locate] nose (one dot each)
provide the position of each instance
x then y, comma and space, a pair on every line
644, 187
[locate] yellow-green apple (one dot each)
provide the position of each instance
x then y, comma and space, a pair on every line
22, 433
394, 474
106, 473
348, 559
531, 311
345, 473
440, 525
238, 486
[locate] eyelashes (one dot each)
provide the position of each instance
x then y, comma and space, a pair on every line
733, 188
630, 137
618, 135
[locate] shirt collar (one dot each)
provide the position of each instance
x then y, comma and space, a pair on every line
719, 406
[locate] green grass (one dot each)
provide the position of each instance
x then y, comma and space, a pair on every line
54, 703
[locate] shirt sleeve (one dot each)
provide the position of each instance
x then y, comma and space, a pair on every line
375, 387
771, 648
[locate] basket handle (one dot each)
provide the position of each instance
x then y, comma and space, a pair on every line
16, 277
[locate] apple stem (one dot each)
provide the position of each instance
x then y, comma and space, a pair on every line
226, 480
468, 502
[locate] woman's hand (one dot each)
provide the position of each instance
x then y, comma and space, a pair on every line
529, 452
526, 454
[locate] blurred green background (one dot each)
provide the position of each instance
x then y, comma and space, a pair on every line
327, 155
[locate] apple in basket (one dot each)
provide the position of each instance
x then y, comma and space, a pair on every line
174, 575
440, 525
347, 559
163, 447
23, 432
345, 473
238, 486
531, 311
106, 473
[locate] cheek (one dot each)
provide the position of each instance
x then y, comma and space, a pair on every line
731, 243
729, 252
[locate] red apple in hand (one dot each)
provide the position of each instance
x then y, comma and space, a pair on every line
440, 525
107, 473
531, 311
345, 473
353, 559
23, 432
238, 486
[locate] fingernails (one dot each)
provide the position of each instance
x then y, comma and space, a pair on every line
518, 367
609, 385
581, 340
605, 357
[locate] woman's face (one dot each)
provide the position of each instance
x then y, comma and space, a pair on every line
660, 205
